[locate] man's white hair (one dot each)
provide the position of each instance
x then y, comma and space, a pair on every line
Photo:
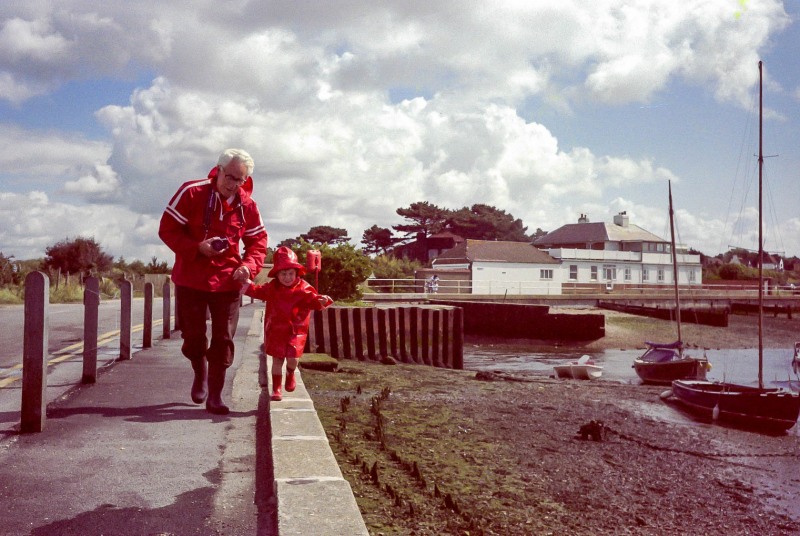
237, 154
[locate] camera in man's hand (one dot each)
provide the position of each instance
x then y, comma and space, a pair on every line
219, 244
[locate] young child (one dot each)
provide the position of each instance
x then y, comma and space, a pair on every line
290, 300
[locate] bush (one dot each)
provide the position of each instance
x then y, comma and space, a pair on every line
344, 269
72, 293
11, 296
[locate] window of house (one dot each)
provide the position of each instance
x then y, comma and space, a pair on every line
573, 272
692, 276
593, 273
645, 274
660, 275
609, 272
546, 274
627, 273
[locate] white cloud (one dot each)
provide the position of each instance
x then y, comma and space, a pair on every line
308, 89
101, 183
32, 222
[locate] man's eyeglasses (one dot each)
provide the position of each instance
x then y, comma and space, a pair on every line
238, 181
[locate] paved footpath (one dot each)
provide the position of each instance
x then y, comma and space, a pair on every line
132, 455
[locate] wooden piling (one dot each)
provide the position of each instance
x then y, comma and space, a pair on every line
91, 304
147, 329
33, 410
125, 319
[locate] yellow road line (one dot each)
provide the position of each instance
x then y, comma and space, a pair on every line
71, 351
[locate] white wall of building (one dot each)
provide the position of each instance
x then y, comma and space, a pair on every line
626, 267
515, 278
580, 267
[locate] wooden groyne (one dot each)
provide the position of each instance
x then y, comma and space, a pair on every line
516, 320
705, 316
423, 335
743, 308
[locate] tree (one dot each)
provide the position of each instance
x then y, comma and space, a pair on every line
344, 268
734, 272
484, 222
9, 272
388, 267
290, 243
538, 234
428, 219
82, 255
324, 234
155, 267
137, 267
377, 240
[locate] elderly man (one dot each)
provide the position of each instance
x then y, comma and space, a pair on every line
204, 223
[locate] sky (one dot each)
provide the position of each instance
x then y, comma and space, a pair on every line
353, 109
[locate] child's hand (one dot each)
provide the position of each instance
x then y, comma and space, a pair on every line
324, 300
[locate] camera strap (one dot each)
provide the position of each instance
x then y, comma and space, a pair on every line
209, 211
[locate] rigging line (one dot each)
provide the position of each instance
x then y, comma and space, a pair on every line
747, 135
772, 212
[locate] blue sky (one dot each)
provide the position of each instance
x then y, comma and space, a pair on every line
354, 109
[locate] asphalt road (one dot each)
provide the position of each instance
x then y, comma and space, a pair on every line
65, 335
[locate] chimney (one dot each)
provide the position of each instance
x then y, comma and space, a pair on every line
621, 219
583, 219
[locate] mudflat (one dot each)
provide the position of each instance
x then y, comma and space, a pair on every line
433, 451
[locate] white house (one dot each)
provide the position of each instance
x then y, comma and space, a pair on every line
618, 253
498, 267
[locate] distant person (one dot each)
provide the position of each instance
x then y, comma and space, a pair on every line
290, 301
434, 284
204, 224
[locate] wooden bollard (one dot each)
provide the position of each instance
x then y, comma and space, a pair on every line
34, 353
166, 309
125, 318
147, 325
91, 304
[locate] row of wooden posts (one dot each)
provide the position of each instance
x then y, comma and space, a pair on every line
36, 335
409, 334
423, 335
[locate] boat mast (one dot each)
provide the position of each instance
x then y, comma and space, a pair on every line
675, 267
760, 234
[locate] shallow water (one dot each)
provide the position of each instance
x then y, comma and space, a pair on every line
735, 366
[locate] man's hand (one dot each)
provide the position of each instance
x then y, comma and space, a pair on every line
241, 274
207, 249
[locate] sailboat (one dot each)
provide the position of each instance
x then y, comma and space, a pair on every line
661, 363
769, 409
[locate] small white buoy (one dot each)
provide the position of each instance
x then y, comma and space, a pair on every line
666, 394
715, 412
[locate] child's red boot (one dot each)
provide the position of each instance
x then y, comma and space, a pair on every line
291, 382
276, 387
